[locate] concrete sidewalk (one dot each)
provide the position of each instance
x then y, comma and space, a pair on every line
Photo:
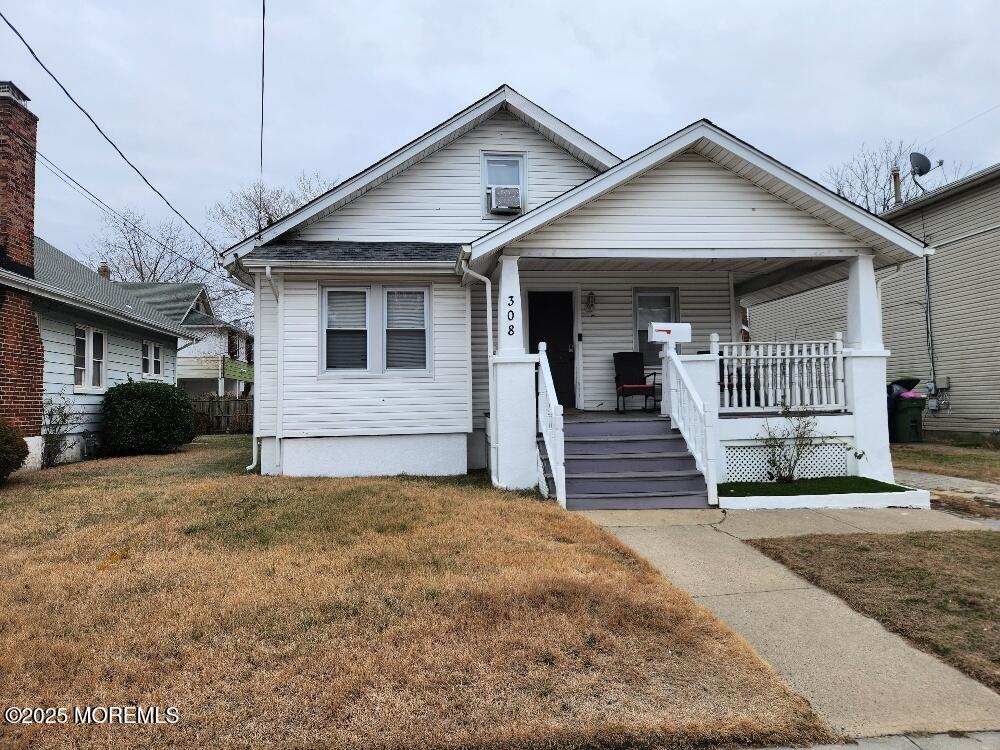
973, 741
863, 680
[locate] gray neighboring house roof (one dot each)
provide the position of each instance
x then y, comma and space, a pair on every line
356, 252
196, 318
57, 272
172, 300
945, 191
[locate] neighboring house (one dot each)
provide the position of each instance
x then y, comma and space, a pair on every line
67, 332
935, 311
374, 354
218, 357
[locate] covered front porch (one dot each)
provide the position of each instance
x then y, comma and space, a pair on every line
552, 390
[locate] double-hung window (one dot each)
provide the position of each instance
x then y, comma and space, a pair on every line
376, 329
405, 329
89, 354
347, 329
152, 359
652, 306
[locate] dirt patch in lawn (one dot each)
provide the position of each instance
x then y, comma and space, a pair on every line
982, 464
965, 504
939, 589
355, 613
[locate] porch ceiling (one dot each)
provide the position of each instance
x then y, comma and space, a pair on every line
748, 274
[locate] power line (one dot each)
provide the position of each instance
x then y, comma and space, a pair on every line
263, 38
963, 124
101, 131
91, 197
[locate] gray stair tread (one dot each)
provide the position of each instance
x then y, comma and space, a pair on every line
643, 417
618, 493
656, 474
621, 438
605, 456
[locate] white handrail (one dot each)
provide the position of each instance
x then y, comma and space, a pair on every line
550, 424
695, 417
767, 375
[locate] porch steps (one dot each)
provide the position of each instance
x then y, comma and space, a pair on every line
622, 462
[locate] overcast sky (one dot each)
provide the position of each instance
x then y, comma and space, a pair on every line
177, 83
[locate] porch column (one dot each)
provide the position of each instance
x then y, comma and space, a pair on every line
865, 371
515, 450
864, 311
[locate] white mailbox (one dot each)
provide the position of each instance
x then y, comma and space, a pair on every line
662, 333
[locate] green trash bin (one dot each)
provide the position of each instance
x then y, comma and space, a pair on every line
907, 424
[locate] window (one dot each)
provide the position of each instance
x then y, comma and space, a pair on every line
152, 359
89, 351
234, 345
502, 170
347, 329
652, 306
405, 329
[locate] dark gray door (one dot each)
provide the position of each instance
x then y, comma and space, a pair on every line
550, 319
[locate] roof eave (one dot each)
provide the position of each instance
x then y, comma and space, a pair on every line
47, 291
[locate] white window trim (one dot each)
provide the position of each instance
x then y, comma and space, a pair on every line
151, 375
88, 360
385, 328
368, 329
675, 301
485, 156
375, 317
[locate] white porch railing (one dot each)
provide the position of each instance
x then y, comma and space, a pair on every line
695, 417
550, 424
765, 375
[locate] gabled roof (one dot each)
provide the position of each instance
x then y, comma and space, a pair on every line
732, 153
172, 300
589, 152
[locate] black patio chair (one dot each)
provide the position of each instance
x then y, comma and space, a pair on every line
631, 380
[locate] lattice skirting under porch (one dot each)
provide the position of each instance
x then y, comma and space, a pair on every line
748, 463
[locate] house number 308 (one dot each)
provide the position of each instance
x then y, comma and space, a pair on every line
510, 315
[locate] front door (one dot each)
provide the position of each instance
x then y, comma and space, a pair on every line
550, 319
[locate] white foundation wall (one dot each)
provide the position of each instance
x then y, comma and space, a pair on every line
367, 455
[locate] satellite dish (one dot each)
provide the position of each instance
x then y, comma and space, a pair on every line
920, 164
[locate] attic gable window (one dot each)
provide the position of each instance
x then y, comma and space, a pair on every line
501, 170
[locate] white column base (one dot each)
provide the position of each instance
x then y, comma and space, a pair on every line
514, 422
864, 373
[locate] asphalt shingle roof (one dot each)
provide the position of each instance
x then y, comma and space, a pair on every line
358, 252
55, 268
172, 300
196, 318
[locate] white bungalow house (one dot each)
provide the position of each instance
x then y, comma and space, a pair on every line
375, 354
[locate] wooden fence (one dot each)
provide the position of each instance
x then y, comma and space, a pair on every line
214, 416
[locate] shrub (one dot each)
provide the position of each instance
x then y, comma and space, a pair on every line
58, 419
146, 417
13, 450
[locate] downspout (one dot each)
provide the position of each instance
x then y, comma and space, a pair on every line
929, 320
465, 270
255, 457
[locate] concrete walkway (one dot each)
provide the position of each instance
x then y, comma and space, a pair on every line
942, 483
863, 680
972, 741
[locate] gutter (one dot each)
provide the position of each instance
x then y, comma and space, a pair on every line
47, 291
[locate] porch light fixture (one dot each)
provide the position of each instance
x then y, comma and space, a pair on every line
589, 303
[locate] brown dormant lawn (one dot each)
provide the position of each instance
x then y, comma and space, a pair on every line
360, 613
939, 589
981, 463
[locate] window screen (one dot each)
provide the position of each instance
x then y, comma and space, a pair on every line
503, 171
97, 366
80, 357
405, 330
145, 358
652, 307
346, 330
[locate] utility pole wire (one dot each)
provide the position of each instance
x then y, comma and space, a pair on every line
101, 131
263, 39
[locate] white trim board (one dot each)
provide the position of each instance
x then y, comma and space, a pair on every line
583, 148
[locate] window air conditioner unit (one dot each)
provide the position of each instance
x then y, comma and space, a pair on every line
505, 200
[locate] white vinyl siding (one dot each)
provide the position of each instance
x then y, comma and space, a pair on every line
122, 359
703, 301
965, 297
393, 402
688, 202
440, 198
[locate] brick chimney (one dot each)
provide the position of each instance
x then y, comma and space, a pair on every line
21, 352
104, 270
